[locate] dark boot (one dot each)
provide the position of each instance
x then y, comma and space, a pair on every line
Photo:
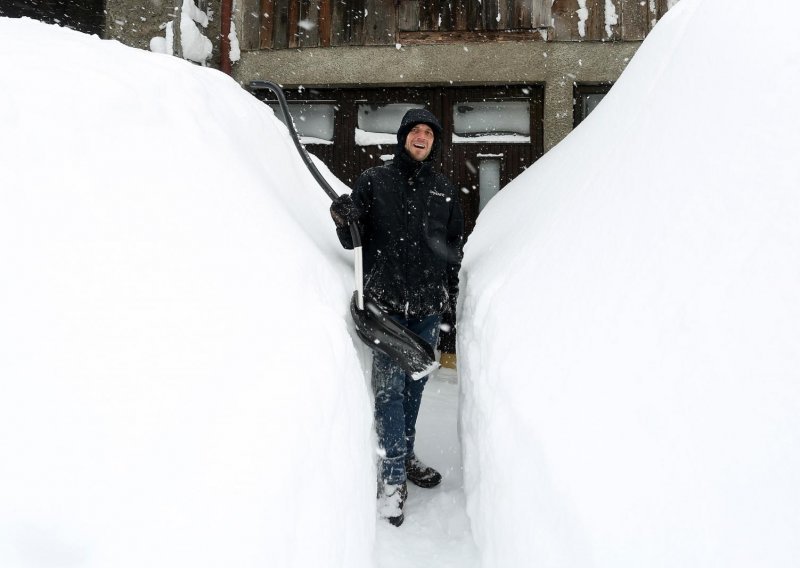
391, 499
420, 474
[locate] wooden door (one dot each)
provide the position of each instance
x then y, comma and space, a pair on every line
505, 144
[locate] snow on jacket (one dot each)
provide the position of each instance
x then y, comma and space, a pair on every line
412, 231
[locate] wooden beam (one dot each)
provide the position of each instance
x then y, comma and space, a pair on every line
596, 23
460, 14
523, 14
446, 15
428, 16
348, 22
408, 16
308, 33
267, 23
491, 10
616, 29
250, 34
325, 16
280, 24
294, 17
380, 22
541, 14
565, 20
474, 15
634, 20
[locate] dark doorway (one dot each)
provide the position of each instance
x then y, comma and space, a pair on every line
86, 16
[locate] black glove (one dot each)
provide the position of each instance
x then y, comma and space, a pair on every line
343, 211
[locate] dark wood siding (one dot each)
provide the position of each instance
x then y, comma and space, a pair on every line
323, 23
462, 15
634, 20
459, 161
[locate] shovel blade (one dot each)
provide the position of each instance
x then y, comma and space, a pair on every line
383, 334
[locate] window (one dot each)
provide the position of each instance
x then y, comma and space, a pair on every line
586, 98
378, 123
314, 121
590, 102
488, 177
492, 121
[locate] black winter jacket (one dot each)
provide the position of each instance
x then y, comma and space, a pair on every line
412, 231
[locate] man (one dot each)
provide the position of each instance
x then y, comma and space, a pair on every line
412, 229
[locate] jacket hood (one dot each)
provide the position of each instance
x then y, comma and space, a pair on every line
419, 116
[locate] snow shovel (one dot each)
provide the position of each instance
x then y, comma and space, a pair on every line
373, 326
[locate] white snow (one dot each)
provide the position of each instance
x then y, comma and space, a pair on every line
194, 45
305, 140
583, 15
164, 44
611, 17
235, 52
630, 317
307, 25
364, 138
378, 123
179, 384
436, 531
492, 138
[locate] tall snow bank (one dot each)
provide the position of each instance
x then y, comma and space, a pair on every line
630, 318
179, 387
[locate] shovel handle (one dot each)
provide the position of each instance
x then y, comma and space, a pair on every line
276, 90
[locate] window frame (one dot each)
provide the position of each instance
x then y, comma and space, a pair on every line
579, 93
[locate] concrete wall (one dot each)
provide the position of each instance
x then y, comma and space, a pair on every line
136, 22
555, 65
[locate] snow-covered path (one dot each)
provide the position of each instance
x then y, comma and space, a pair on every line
436, 532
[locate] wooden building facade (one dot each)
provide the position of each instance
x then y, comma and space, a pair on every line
542, 63
286, 24
508, 78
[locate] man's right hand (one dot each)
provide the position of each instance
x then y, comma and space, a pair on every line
343, 211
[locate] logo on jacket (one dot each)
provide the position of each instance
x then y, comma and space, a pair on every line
438, 194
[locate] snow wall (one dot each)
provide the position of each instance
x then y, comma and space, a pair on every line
178, 380
630, 317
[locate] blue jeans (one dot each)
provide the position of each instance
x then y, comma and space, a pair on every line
397, 400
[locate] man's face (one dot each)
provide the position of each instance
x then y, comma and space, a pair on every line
419, 142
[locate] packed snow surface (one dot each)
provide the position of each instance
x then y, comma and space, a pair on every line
630, 318
179, 383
